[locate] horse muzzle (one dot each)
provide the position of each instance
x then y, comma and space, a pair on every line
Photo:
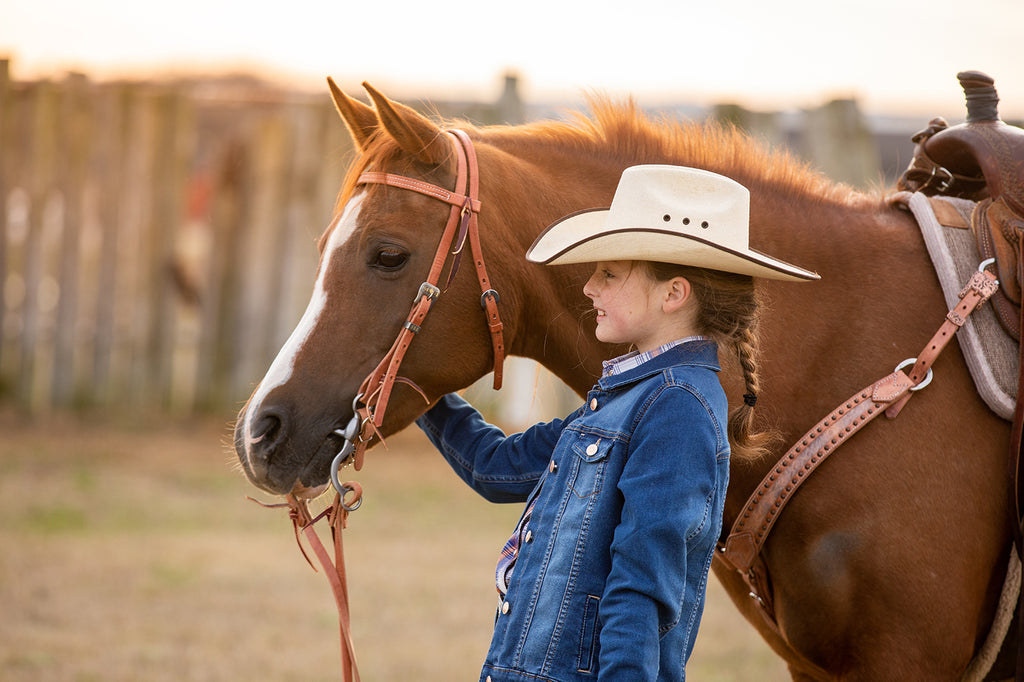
277, 458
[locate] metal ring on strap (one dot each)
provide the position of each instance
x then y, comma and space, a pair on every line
351, 488
927, 377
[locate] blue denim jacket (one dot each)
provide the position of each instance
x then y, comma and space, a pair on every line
629, 489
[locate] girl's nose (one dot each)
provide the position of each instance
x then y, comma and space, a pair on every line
589, 287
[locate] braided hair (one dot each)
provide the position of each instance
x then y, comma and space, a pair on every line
728, 309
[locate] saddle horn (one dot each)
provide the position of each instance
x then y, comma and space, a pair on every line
980, 93
983, 157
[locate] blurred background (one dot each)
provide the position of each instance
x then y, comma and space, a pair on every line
165, 173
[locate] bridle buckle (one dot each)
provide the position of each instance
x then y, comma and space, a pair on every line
429, 290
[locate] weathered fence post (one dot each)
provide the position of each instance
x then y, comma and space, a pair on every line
108, 171
167, 169
219, 323
75, 137
41, 160
5, 108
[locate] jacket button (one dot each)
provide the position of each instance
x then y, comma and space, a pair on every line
592, 449
552, 467
488, 678
505, 606
528, 537
593, 403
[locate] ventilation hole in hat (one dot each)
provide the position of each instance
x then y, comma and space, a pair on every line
666, 217
705, 225
686, 221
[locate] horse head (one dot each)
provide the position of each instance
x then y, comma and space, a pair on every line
373, 258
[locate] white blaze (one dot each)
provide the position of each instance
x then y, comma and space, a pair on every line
281, 369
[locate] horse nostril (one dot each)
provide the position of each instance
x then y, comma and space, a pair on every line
268, 429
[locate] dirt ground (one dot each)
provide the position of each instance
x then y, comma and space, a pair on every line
129, 552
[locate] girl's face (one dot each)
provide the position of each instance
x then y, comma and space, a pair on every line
629, 305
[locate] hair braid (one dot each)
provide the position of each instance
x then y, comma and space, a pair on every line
728, 312
747, 443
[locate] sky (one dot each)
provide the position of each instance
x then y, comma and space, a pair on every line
893, 56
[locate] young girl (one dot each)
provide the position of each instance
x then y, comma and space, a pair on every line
604, 575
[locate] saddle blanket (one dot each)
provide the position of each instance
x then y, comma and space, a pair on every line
990, 353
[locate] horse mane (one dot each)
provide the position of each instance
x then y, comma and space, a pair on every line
623, 133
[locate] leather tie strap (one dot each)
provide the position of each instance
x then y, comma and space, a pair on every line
488, 297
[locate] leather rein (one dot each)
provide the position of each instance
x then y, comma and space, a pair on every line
371, 402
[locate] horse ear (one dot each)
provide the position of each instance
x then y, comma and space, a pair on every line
414, 133
360, 118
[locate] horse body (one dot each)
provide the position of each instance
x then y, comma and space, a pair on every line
887, 563
891, 553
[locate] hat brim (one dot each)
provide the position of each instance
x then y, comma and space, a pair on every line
584, 238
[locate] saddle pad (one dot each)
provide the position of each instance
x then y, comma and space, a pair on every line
990, 353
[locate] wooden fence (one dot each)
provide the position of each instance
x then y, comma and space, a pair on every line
157, 243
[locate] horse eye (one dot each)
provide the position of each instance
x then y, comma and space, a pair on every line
390, 260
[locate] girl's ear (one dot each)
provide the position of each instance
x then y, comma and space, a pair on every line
677, 292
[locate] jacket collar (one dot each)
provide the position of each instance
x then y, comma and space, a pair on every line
693, 353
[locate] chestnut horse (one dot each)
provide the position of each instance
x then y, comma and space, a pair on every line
886, 566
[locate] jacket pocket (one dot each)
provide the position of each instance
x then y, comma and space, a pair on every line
588, 636
592, 455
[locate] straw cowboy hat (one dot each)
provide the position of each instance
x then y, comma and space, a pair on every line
668, 214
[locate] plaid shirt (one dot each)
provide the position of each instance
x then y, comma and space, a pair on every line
510, 552
634, 359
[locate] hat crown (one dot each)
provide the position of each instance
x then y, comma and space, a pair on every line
687, 201
670, 214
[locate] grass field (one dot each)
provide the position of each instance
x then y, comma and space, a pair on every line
131, 553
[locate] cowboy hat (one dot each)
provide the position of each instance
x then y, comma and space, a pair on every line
667, 214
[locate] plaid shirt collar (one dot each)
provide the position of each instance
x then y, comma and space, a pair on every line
634, 359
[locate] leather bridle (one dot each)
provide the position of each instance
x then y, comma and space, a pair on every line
371, 402
461, 227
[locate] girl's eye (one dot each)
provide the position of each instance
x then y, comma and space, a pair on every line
608, 275
390, 260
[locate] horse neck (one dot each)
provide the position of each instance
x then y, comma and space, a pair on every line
543, 308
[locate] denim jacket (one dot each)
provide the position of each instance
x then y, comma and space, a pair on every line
610, 581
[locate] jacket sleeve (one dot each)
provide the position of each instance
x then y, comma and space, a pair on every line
500, 468
668, 488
